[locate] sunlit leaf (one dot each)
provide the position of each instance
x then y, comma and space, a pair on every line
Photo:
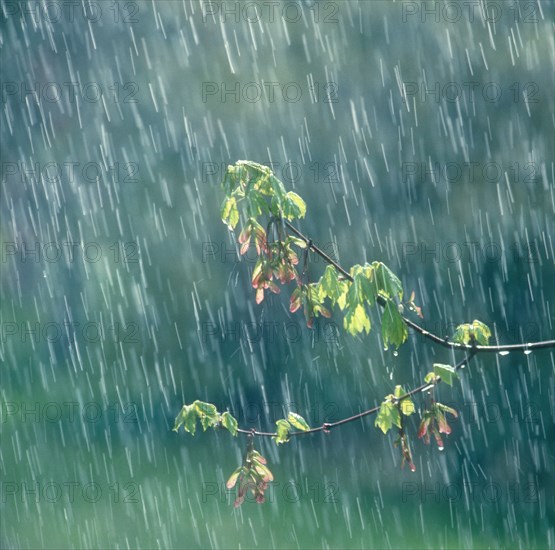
282, 431
229, 423
407, 405
207, 413
447, 373
293, 206
394, 329
388, 415
356, 320
467, 333
229, 212
298, 421
387, 283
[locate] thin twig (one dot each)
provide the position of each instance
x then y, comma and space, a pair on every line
417, 328
327, 426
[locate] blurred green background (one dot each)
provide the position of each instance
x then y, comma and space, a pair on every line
419, 134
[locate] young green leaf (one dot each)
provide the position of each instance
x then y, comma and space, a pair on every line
229, 212
293, 206
446, 372
187, 418
387, 283
407, 404
388, 415
298, 421
207, 413
356, 320
282, 431
476, 332
481, 332
229, 423
394, 329
330, 284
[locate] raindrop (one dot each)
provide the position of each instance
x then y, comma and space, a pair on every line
527, 351
440, 448
504, 352
396, 353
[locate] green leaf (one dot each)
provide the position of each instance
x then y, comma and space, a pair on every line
259, 205
298, 421
467, 333
462, 334
387, 283
356, 320
446, 372
394, 329
430, 378
407, 405
282, 431
229, 423
388, 416
293, 206
186, 418
329, 283
229, 212
481, 332
207, 413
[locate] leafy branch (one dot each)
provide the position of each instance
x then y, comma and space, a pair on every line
254, 188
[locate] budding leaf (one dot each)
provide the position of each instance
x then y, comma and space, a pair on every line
229, 423
394, 329
481, 332
467, 333
330, 284
386, 281
298, 421
229, 212
388, 416
407, 405
356, 320
446, 372
282, 431
187, 418
207, 413
293, 206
